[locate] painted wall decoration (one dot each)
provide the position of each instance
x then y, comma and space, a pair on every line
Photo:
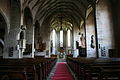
40, 46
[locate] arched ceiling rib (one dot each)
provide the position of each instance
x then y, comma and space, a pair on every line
63, 11
74, 19
59, 22
60, 7
75, 10
58, 3
70, 6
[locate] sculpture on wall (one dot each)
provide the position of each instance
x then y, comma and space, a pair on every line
92, 45
82, 48
82, 38
22, 32
22, 41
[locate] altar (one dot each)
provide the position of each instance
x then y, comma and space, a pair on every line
61, 53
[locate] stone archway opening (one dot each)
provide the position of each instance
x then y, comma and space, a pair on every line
90, 33
3, 26
28, 22
37, 35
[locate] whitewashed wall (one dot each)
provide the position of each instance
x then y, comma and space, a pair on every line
90, 30
104, 27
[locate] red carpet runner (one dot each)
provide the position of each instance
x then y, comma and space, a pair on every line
62, 72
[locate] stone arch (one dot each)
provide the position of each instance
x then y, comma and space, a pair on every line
89, 12
6, 20
12, 32
36, 33
15, 15
90, 33
27, 15
28, 22
3, 31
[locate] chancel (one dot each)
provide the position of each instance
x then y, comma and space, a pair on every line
59, 40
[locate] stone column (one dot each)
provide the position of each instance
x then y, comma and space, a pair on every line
33, 42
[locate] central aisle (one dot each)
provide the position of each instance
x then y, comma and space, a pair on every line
62, 72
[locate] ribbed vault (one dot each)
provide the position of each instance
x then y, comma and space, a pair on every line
75, 10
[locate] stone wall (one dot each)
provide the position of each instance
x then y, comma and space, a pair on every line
12, 12
90, 30
104, 27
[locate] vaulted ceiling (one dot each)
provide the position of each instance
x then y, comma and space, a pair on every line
72, 10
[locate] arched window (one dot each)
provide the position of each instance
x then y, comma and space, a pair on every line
68, 38
54, 38
61, 38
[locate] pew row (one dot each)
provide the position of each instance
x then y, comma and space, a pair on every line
26, 69
95, 68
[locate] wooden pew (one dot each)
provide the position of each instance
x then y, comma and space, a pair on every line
108, 68
37, 67
87, 68
15, 65
43, 65
12, 75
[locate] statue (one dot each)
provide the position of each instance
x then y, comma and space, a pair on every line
92, 42
40, 46
22, 32
82, 38
22, 41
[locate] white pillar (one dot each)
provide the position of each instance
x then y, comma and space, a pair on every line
33, 49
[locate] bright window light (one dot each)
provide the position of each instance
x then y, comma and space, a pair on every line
61, 38
68, 36
53, 38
